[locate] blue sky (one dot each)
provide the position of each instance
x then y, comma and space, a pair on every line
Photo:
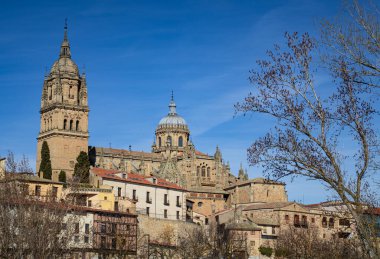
134, 53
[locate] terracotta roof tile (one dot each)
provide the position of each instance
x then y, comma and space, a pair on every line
269, 205
373, 211
199, 153
134, 178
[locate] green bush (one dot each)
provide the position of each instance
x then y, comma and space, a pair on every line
267, 251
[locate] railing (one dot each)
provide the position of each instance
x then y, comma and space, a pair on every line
88, 189
135, 198
120, 198
166, 203
179, 204
161, 216
301, 224
148, 199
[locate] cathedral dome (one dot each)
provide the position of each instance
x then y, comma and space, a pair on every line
172, 119
64, 65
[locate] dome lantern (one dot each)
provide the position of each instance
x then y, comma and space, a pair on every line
172, 131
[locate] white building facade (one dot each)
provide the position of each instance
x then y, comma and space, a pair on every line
154, 196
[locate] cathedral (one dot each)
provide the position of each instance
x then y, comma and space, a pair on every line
64, 126
173, 157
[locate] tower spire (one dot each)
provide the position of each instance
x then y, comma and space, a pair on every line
65, 46
172, 106
65, 31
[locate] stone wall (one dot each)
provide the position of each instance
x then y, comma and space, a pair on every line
207, 203
266, 192
163, 230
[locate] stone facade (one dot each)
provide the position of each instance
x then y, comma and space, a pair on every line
157, 227
2, 167
64, 113
256, 190
278, 216
207, 203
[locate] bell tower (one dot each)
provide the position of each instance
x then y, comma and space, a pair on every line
64, 113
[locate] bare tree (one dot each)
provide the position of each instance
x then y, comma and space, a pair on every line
24, 166
306, 243
354, 38
212, 242
312, 125
10, 163
164, 245
13, 166
30, 228
194, 243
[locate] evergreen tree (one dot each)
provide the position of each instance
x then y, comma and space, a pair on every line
82, 168
62, 176
45, 165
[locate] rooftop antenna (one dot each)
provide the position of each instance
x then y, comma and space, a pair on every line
130, 148
172, 95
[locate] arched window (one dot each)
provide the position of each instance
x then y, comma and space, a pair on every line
64, 124
198, 170
208, 171
203, 171
159, 141
180, 141
169, 141
77, 126
71, 124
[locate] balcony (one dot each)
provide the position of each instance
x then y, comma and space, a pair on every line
135, 198
166, 203
120, 198
179, 204
207, 181
148, 199
301, 224
88, 190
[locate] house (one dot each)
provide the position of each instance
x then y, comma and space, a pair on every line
94, 232
153, 196
35, 187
